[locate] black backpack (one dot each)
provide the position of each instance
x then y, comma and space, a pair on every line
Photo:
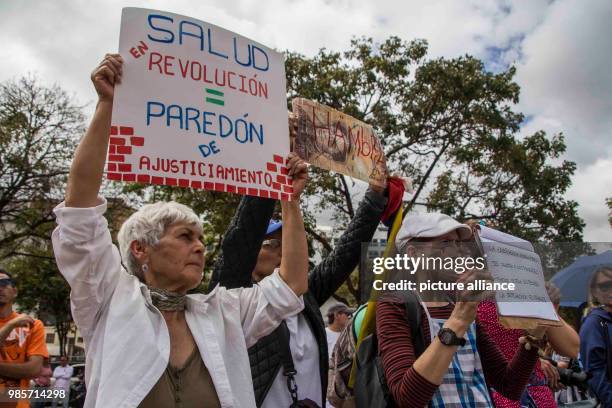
371, 389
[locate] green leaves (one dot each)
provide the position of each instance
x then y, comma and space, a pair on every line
39, 130
450, 125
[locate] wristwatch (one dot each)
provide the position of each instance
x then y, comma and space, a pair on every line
450, 338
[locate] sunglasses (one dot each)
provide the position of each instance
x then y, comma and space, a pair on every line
605, 286
271, 243
6, 282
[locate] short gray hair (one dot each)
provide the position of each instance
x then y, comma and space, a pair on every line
147, 226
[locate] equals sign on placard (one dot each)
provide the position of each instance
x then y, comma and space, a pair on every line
214, 96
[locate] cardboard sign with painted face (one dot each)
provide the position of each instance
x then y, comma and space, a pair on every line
199, 106
332, 140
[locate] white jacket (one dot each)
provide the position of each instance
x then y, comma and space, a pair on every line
126, 338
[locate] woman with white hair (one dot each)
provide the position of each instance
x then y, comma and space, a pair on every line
148, 343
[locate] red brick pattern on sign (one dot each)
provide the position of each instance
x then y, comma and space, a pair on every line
137, 141
125, 130
120, 144
124, 142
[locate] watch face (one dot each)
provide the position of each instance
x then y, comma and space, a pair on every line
446, 337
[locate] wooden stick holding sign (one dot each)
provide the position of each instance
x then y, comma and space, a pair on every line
199, 106
331, 140
511, 259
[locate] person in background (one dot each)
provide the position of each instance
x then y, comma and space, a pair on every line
251, 251
338, 317
22, 341
43, 381
596, 336
62, 375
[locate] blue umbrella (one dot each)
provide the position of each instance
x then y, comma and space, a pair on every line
574, 279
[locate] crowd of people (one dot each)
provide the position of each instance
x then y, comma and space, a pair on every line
258, 338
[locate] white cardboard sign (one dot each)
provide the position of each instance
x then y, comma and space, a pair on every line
199, 106
512, 260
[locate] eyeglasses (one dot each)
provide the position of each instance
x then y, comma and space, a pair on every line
6, 282
272, 243
443, 247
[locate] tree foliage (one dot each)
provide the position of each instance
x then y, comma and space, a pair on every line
449, 124
39, 128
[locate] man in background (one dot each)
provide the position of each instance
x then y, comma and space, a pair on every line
22, 343
338, 317
62, 375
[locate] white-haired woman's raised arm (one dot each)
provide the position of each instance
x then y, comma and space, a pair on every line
88, 164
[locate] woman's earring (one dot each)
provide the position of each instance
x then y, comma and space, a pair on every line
145, 268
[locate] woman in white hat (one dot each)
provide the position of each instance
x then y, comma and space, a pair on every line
458, 362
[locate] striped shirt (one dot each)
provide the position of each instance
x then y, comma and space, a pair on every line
409, 388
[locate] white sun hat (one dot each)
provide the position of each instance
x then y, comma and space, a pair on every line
428, 225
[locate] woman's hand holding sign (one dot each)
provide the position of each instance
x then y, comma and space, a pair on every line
87, 167
298, 171
106, 75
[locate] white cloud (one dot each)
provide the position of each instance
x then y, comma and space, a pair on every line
565, 76
566, 86
591, 187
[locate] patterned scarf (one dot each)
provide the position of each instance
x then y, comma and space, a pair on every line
167, 301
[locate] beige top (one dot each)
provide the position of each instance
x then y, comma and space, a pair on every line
188, 386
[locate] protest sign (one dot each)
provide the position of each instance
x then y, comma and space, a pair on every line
513, 260
199, 106
334, 141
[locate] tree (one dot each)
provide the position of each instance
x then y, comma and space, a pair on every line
448, 124
39, 128
609, 204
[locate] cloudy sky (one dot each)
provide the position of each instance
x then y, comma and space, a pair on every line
562, 48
